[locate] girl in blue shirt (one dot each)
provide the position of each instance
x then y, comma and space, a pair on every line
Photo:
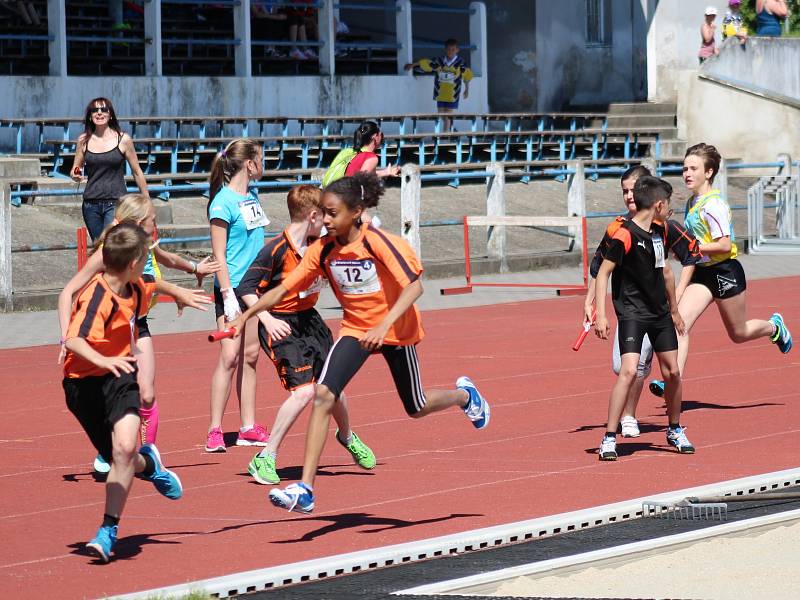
237, 235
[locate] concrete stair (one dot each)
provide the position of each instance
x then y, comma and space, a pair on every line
651, 114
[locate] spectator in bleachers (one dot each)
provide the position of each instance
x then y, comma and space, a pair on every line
450, 70
708, 32
299, 19
769, 15
100, 156
366, 140
268, 22
733, 23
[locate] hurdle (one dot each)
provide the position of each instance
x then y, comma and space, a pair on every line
540, 223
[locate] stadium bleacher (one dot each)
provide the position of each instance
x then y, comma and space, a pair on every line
198, 39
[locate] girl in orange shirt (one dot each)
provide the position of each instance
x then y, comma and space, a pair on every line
376, 278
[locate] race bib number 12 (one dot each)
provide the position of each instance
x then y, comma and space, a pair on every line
355, 276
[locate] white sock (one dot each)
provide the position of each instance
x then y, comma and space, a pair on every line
265, 453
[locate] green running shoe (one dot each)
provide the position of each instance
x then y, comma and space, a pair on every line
360, 452
262, 468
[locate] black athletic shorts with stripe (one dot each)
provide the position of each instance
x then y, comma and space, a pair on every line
300, 356
347, 356
99, 402
724, 280
661, 332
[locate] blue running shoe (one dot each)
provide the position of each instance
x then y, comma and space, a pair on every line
782, 337
477, 410
657, 388
103, 543
100, 465
166, 482
297, 496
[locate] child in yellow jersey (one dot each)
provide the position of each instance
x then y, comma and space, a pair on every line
376, 278
450, 70
719, 278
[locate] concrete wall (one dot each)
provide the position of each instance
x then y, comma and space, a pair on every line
769, 63
284, 96
673, 42
572, 72
741, 125
744, 125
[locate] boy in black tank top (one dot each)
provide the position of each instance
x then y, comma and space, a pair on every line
643, 292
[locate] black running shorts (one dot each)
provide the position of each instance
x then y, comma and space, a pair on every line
99, 402
724, 280
300, 356
347, 356
219, 305
661, 333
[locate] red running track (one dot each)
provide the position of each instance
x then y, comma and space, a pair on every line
435, 476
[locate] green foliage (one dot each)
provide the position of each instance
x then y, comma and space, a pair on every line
748, 11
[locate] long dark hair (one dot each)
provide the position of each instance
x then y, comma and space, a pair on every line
362, 190
363, 135
88, 124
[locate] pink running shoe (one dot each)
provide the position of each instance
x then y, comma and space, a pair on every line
215, 441
255, 436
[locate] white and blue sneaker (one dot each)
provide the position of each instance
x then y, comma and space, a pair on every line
608, 449
782, 337
296, 496
477, 409
677, 439
103, 543
100, 465
165, 481
657, 388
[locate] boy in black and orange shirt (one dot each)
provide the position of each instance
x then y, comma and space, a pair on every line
293, 334
100, 375
684, 247
643, 291
376, 278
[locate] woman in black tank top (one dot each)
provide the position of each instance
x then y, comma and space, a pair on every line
100, 157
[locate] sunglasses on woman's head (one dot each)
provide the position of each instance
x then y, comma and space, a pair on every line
97, 109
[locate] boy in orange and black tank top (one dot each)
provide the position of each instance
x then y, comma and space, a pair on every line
376, 278
293, 333
100, 375
643, 291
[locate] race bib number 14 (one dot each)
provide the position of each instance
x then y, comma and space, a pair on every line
355, 276
252, 213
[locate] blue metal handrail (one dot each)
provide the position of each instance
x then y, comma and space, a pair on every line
202, 41
188, 187
378, 7
441, 9
435, 46
27, 37
318, 44
297, 4
370, 45
201, 2
104, 39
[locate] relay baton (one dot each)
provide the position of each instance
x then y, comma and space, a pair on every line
216, 336
587, 325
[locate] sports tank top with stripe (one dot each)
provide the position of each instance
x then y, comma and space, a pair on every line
697, 224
